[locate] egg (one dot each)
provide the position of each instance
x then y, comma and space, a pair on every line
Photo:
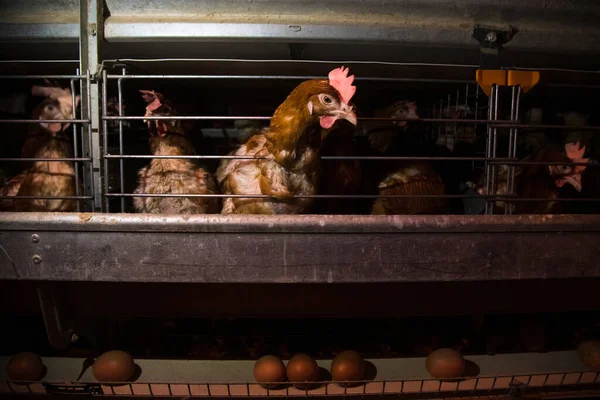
302, 368
445, 364
113, 366
25, 367
348, 366
589, 352
269, 369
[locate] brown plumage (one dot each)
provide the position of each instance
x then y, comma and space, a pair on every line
171, 176
542, 181
288, 150
411, 179
46, 140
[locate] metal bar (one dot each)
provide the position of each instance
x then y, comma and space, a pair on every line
456, 109
16, 159
492, 197
488, 152
305, 196
497, 161
121, 171
75, 143
47, 197
291, 77
374, 158
37, 121
105, 201
136, 223
14, 77
514, 149
91, 36
493, 122
494, 144
91, 183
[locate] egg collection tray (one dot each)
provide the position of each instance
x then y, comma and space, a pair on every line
543, 374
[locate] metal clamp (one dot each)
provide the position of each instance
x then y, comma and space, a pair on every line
491, 41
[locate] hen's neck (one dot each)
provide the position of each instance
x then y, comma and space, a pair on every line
289, 132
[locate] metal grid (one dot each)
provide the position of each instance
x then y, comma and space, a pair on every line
544, 385
81, 139
467, 115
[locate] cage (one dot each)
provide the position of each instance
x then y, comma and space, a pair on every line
475, 255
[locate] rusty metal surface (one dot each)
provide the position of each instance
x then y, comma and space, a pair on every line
296, 249
296, 223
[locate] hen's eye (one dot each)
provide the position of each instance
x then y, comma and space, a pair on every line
50, 108
327, 99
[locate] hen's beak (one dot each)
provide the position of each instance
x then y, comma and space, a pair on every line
347, 112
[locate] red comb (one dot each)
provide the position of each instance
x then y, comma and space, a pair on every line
152, 98
575, 153
339, 79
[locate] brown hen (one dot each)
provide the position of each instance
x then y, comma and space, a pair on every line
171, 176
46, 140
285, 157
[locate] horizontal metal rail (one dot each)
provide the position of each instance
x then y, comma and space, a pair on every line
23, 159
492, 123
500, 161
356, 196
45, 198
39, 121
43, 77
288, 77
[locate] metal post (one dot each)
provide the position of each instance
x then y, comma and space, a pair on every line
105, 200
91, 34
121, 167
76, 165
512, 151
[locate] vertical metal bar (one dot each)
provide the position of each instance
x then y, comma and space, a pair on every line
446, 125
488, 150
458, 115
91, 35
511, 176
75, 144
495, 147
92, 188
121, 171
440, 116
466, 105
510, 168
105, 200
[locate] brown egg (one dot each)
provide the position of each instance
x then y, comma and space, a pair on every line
302, 368
589, 352
445, 364
269, 369
25, 367
113, 366
348, 366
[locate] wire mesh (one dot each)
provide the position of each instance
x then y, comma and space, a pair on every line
455, 119
543, 385
77, 132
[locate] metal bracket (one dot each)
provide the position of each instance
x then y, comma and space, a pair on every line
58, 337
491, 41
